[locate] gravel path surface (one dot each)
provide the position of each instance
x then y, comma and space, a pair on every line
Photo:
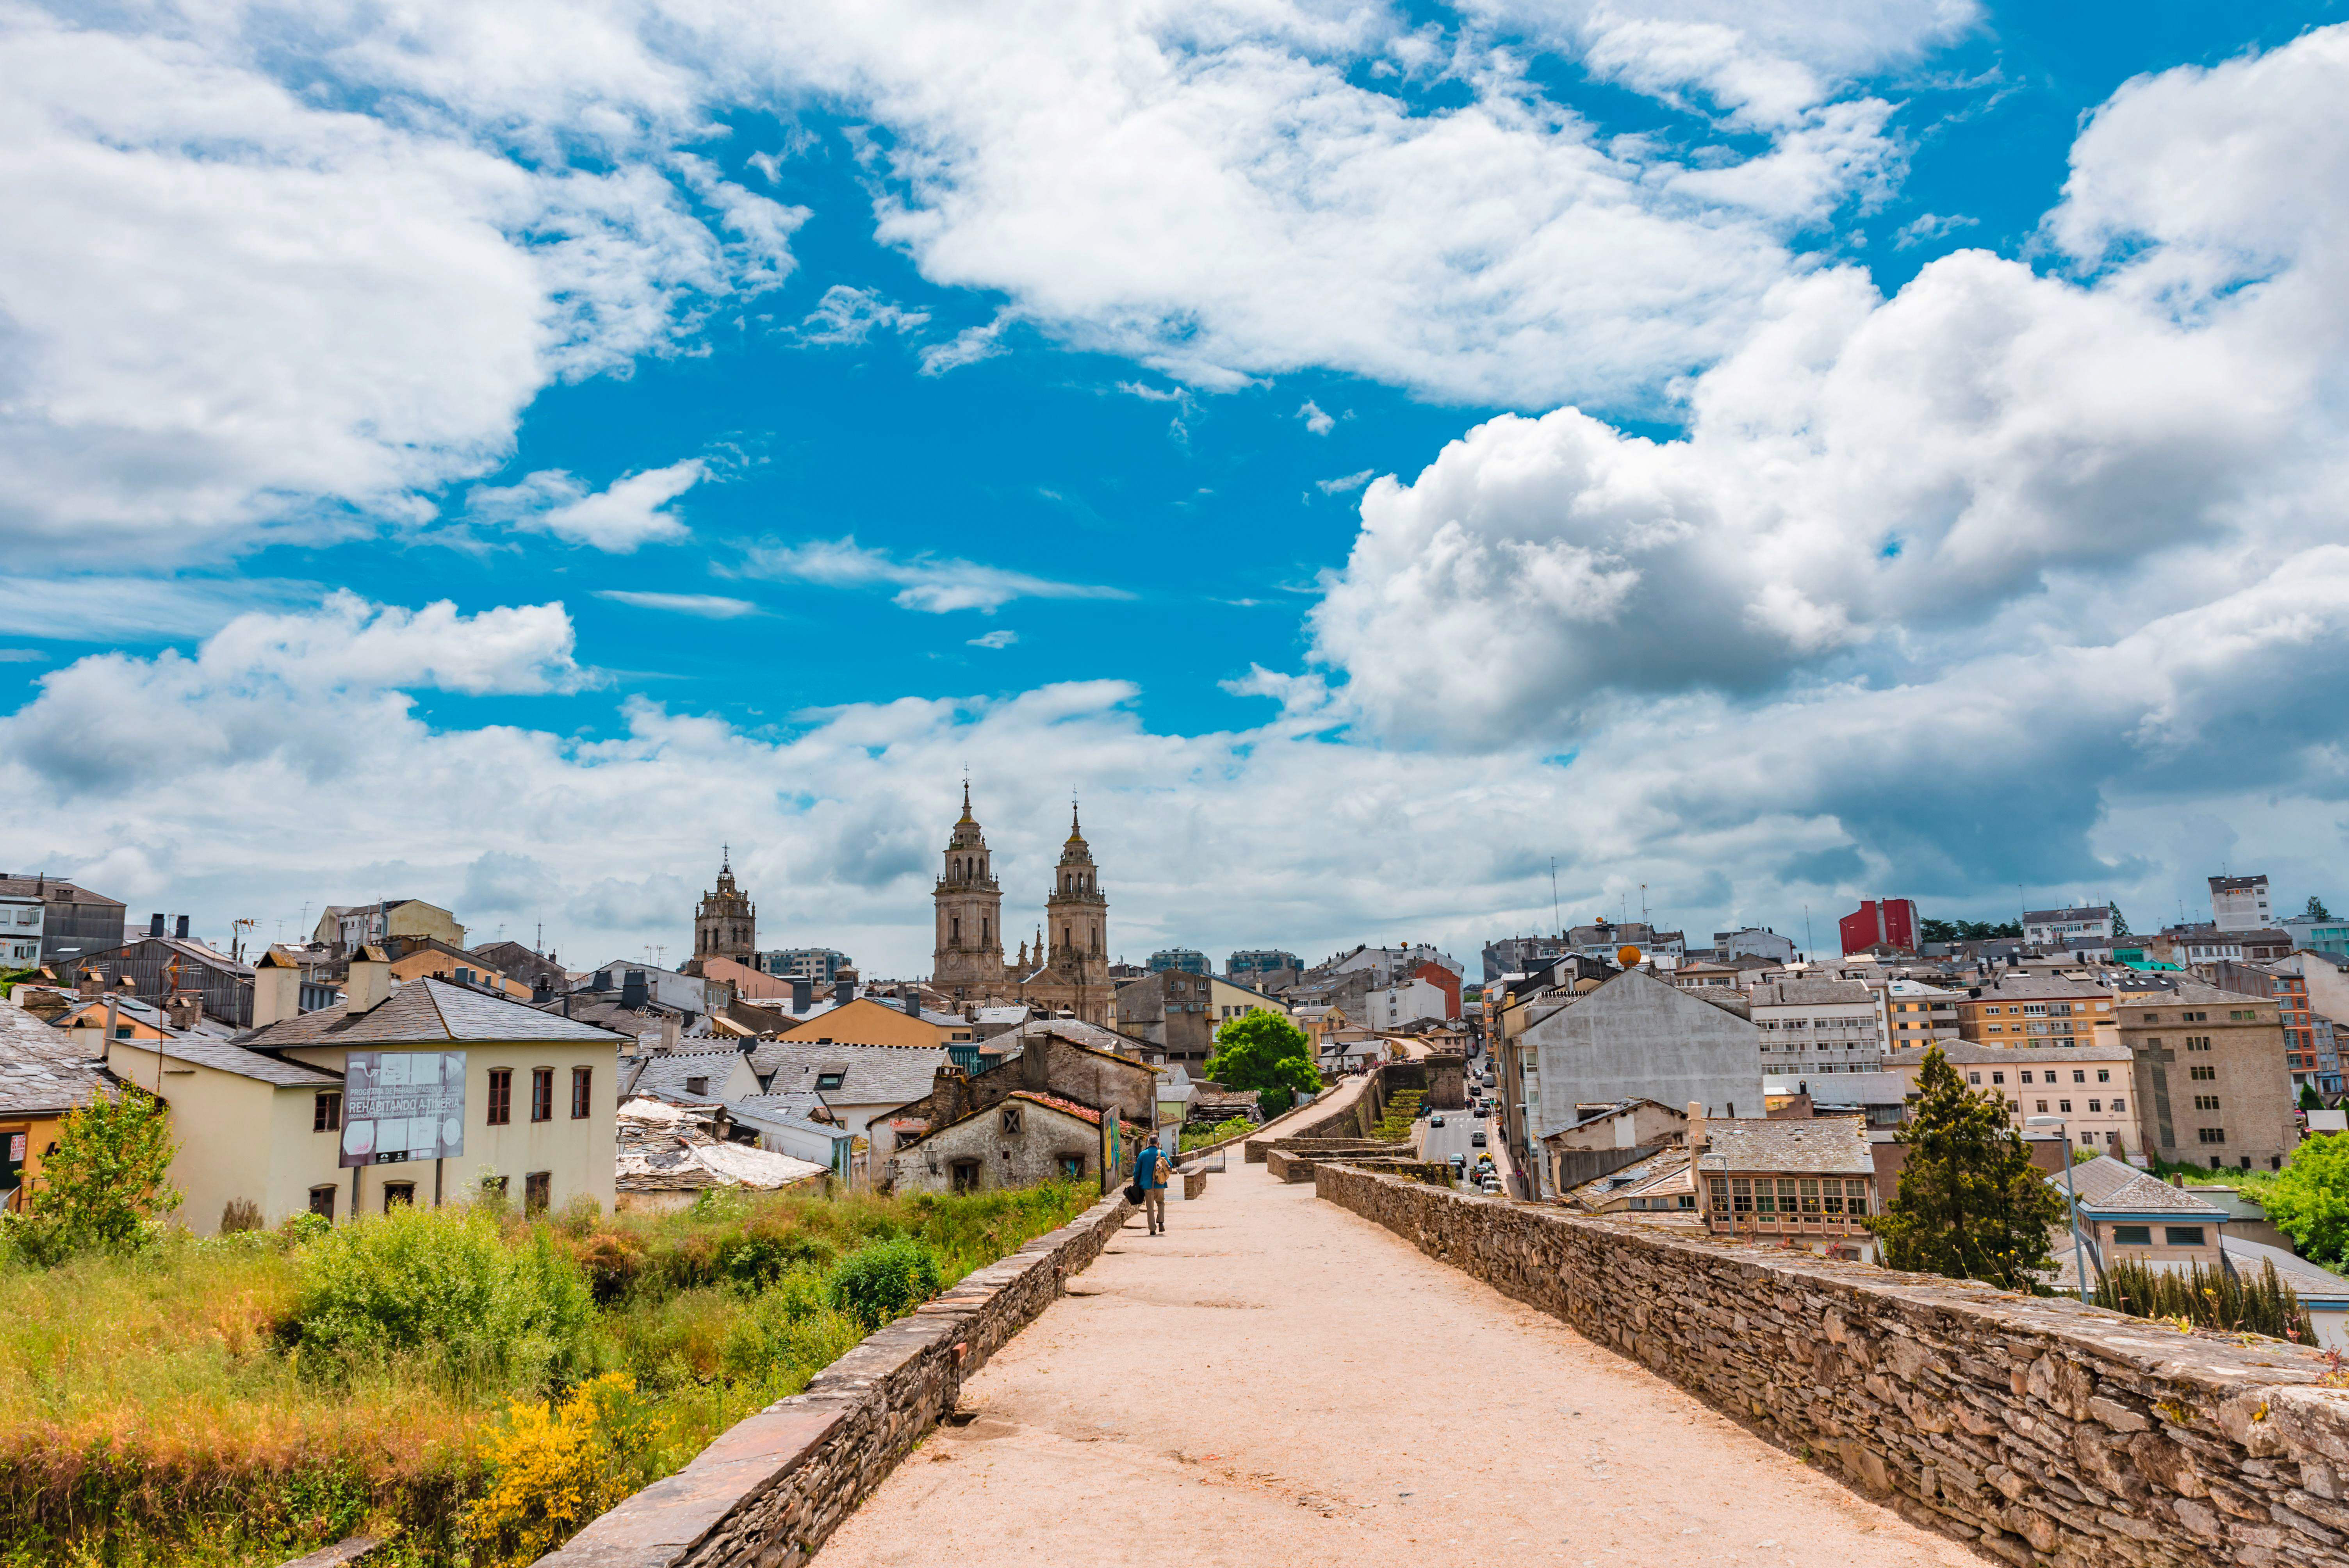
1275, 1381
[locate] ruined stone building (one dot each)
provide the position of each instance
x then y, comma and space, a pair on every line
1067, 969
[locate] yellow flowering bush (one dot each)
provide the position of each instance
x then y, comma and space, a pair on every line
553, 1467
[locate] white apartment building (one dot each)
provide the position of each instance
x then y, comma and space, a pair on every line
2240, 903
20, 931
2069, 927
2088, 1086
1818, 1026
1396, 1005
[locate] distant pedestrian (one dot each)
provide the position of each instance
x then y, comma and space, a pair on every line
1149, 1175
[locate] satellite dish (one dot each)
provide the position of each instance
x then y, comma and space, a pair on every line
1626, 955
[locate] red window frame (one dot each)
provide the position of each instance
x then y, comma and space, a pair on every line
501, 1108
542, 1094
583, 1081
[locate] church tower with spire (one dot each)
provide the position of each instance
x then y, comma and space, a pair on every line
1076, 928
726, 922
968, 960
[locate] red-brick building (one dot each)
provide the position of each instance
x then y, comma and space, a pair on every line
1887, 923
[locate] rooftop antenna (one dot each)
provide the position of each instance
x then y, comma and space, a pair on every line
1807, 944
1643, 906
1556, 919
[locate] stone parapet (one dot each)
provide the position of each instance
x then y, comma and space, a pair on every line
2040, 1430
769, 1489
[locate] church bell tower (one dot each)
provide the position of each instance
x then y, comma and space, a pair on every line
968, 960
726, 922
1076, 926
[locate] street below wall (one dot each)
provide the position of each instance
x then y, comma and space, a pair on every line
1277, 1380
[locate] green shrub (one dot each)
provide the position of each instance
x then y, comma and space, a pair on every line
107, 1186
883, 1281
445, 1281
296, 1229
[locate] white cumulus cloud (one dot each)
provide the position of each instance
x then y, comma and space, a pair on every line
931, 583
633, 510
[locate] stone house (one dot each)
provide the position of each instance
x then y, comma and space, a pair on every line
1808, 1182
1019, 1140
1049, 1063
1174, 1010
1661, 1184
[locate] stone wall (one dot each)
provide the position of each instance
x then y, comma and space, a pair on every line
769, 1489
2040, 1430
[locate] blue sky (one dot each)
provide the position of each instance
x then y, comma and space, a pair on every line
1366, 451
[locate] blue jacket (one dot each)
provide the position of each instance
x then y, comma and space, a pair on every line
1150, 1168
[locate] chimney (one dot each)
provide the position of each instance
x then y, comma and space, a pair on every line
370, 980
1696, 1133
155, 924
1034, 1067
843, 991
949, 1095
91, 984
542, 990
632, 990
802, 993
670, 1030
179, 928
276, 989
185, 1009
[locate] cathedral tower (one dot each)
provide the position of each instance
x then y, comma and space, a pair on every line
967, 963
1076, 927
726, 922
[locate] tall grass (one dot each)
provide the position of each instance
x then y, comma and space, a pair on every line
242, 1399
2215, 1298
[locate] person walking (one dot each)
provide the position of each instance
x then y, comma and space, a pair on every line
1149, 1175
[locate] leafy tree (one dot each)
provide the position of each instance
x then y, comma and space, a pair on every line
1263, 1050
1972, 1205
2120, 922
1966, 929
2309, 1199
2316, 910
109, 1176
2308, 1098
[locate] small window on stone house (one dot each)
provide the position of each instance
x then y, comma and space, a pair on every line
1073, 1166
965, 1175
1011, 1120
2132, 1235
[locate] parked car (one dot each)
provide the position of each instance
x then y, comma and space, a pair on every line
1477, 1140
1434, 1121
1493, 1185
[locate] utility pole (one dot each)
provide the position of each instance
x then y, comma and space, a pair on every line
1554, 918
1807, 944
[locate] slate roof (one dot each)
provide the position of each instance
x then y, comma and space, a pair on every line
799, 1105
40, 1067
871, 1075
2012, 986
2109, 1186
668, 1074
1828, 1145
425, 1012
1087, 1036
1639, 1174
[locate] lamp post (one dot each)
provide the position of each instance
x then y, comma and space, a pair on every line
2071, 1190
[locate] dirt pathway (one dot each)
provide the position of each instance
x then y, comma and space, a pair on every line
1275, 1380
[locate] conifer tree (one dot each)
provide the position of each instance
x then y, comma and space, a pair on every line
1972, 1205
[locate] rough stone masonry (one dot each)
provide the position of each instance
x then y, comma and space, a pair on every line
2041, 1431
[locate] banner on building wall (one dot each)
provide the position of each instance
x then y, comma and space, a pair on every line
402, 1105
